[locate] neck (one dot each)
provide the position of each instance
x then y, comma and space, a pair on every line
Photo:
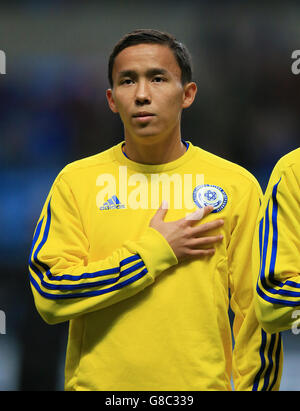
149, 151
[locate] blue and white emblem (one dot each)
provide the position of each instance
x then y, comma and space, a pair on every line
210, 195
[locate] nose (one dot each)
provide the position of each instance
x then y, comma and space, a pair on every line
142, 93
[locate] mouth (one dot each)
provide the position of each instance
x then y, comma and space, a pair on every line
143, 116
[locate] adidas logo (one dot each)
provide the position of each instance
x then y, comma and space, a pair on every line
112, 203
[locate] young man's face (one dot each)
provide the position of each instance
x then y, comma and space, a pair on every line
148, 93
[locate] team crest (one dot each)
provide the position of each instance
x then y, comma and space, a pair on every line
207, 194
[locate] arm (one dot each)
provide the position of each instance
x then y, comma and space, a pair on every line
257, 356
276, 252
65, 284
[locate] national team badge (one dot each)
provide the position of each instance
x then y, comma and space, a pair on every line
211, 195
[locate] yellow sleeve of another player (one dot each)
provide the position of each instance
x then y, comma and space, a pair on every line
65, 284
276, 251
257, 355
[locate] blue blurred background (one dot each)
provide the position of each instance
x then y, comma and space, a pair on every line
53, 110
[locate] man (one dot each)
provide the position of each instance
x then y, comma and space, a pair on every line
276, 248
121, 253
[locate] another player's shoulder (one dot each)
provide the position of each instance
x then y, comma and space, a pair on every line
289, 160
228, 170
286, 172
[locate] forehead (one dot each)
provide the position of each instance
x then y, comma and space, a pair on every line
143, 57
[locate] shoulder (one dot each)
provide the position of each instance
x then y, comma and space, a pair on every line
89, 162
231, 172
290, 160
84, 167
286, 171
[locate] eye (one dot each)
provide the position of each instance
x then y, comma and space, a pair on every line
126, 81
158, 79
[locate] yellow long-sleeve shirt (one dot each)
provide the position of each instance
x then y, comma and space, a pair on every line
139, 320
276, 249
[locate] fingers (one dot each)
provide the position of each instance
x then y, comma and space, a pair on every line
207, 210
199, 214
211, 225
201, 241
161, 211
185, 238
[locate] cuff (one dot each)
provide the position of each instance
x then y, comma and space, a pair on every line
154, 250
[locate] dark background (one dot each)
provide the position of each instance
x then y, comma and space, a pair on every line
53, 111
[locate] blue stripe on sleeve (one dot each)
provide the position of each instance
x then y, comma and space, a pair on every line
272, 366
262, 361
34, 262
279, 291
265, 249
261, 225
277, 362
88, 293
275, 235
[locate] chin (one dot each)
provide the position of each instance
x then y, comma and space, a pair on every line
144, 134
148, 138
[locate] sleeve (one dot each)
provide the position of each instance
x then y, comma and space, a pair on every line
63, 281
276, 253
257, 355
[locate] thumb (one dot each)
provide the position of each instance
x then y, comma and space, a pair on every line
200, 213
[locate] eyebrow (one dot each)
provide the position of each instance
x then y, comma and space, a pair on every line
149, 73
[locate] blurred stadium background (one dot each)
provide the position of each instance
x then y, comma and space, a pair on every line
53, 111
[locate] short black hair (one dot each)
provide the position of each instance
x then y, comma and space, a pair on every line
150, 36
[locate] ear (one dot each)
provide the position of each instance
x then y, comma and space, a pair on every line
189, 94
111, 101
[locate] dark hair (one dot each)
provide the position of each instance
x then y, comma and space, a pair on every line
150, 36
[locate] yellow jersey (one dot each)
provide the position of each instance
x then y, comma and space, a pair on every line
276, 248
138, 319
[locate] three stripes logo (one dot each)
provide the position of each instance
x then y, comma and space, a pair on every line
112, 203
